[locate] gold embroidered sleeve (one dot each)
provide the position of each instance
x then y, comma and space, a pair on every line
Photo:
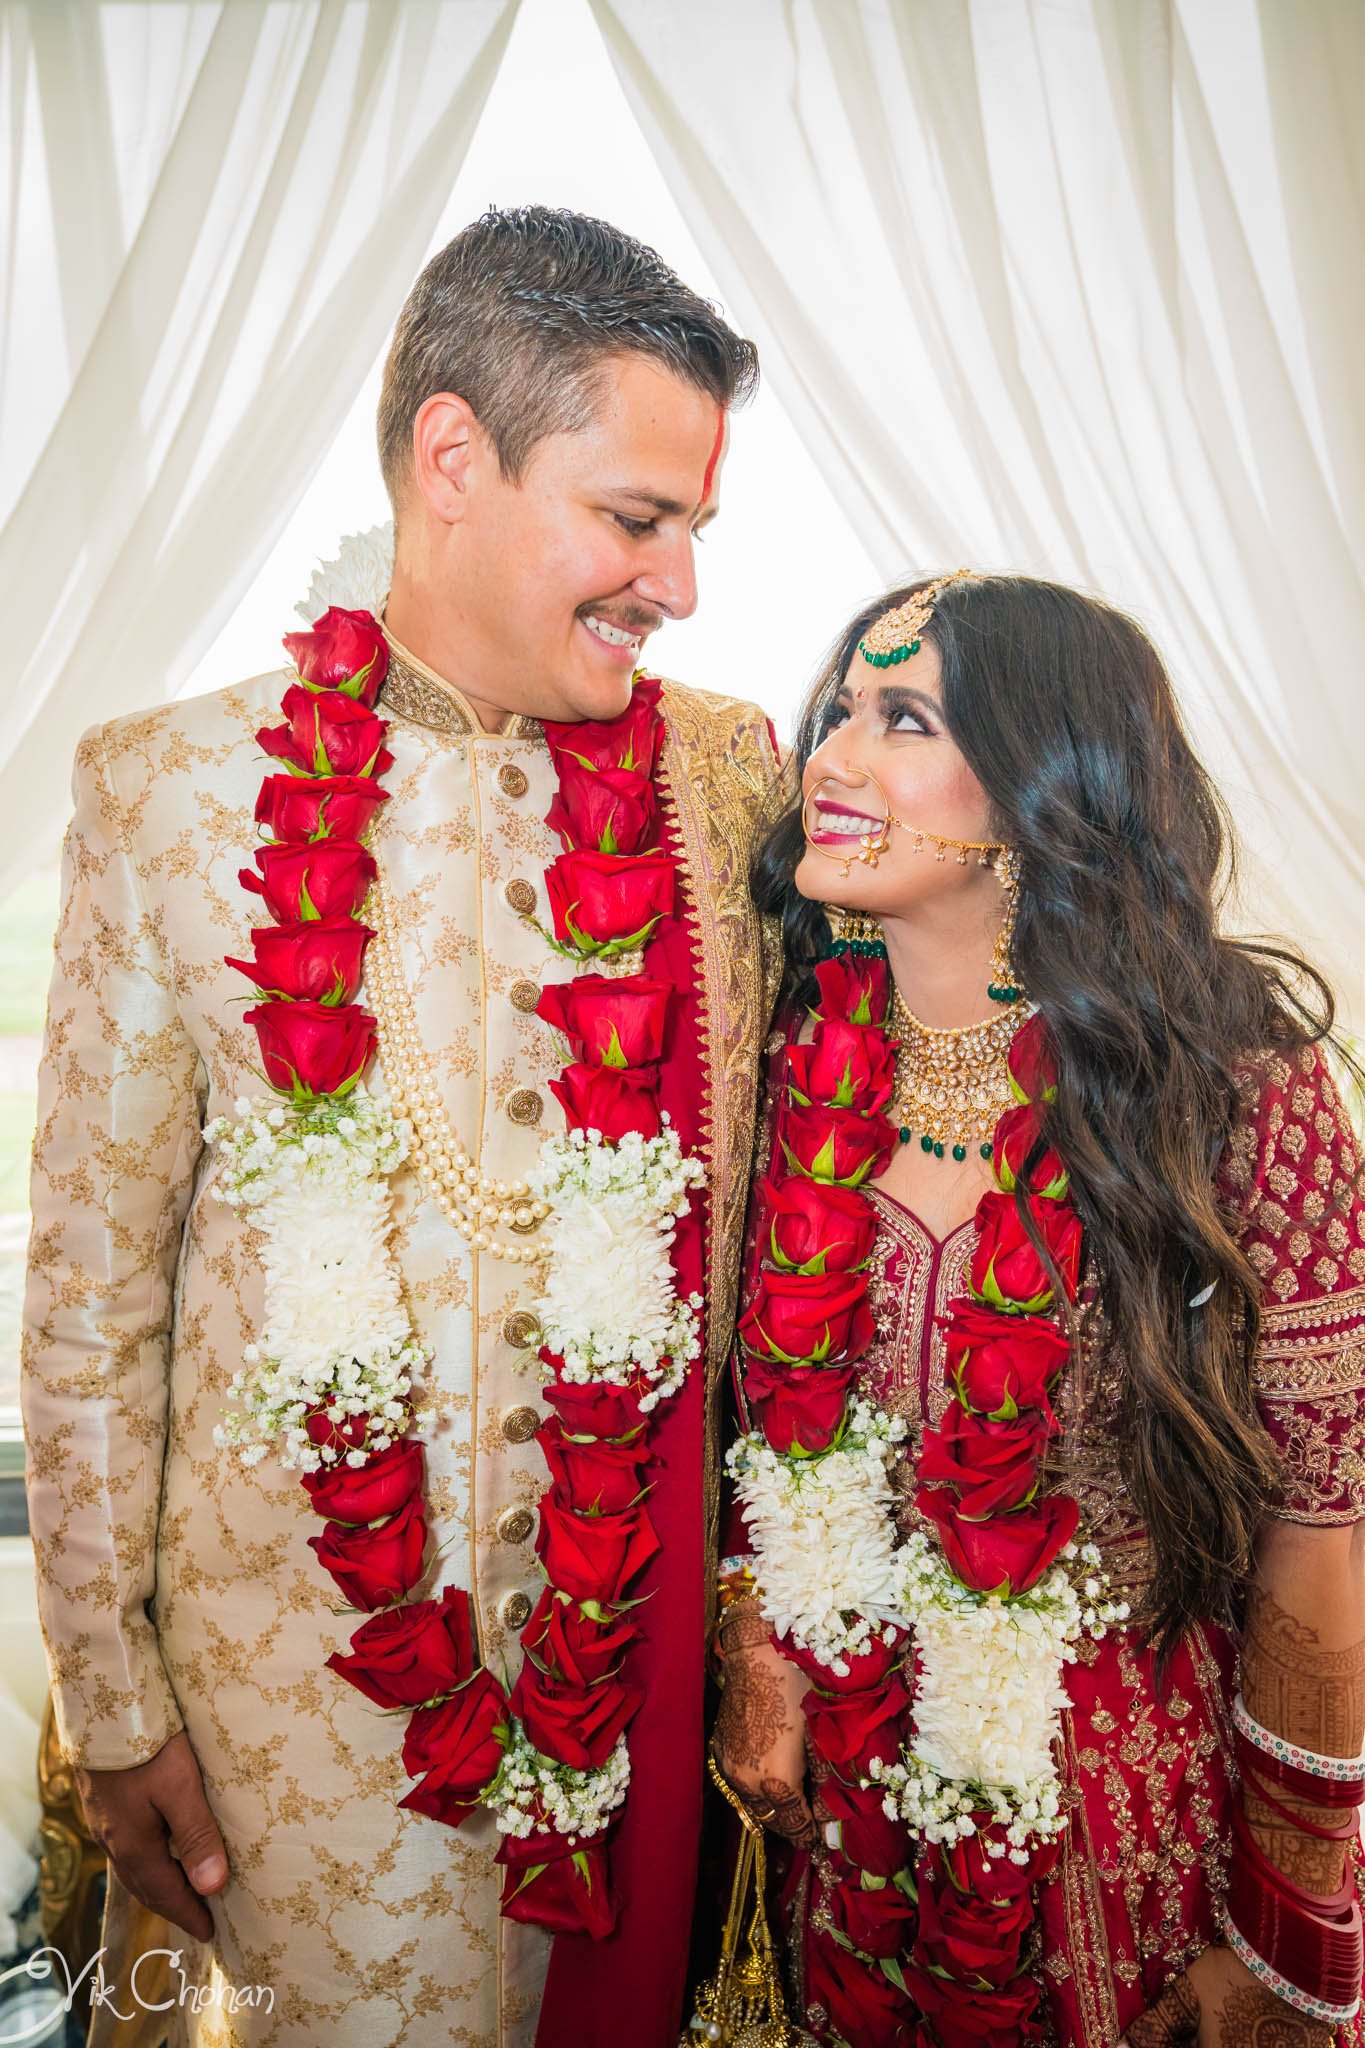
118, 1138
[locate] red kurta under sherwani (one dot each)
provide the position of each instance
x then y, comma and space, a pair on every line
1134, 1898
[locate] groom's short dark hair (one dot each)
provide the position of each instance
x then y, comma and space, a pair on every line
517, 316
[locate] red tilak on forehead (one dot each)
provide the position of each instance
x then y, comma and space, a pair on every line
710, 476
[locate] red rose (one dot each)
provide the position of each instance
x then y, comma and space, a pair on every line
995, 1466
298, 809
571, 1645
328, 878
1010, 1551
798, 1407
839, 1145
964, 2018
609, 1021
375, 1566
368, 1492
868, 1838
593, 1557
327, 735
312, 1048
1006, 1271
630, 741
969, 1866
865, 1671
594, 1477
814, 1318
612, 1100
880, 1922
574, 1724
964, 1935
864, 2006
599, 1410
845, 1066
459, 1745
316, 962
853, 1728
810, 1226
1031, 1063
856, 989
410, 1655
1000, 1364
610, 810
549, 1884
1018, 1130
598, 899
345, 651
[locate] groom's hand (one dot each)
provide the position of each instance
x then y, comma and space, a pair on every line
153, 1823
760, 1739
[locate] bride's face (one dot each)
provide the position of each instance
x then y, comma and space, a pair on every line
886, 727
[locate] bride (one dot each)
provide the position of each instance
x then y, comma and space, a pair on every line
1043, 1638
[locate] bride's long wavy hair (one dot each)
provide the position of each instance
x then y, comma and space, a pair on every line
1062, 709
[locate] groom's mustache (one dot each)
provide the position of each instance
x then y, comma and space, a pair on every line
629, 618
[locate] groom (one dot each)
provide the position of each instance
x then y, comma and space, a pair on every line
552, 430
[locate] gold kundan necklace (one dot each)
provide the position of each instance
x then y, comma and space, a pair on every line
952, 1087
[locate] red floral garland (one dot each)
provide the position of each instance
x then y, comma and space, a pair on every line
929, 1955
608, 890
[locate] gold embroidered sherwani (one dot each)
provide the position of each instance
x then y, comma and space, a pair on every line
176, 1588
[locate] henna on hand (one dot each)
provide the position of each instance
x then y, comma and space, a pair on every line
752, 1718
1253, 2017
1173, 2019
785, 1811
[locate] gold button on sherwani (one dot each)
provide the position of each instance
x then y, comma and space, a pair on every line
512, 781
519, 1425
516, 1525
521, 896
520, 1328
524, 995
526, 1106
514, 1610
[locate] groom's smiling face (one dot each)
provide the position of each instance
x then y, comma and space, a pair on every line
559, 578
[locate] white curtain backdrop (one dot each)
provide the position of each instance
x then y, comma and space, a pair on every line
1075, 288
210, 214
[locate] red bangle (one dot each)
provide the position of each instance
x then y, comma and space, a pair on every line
1340, 1830
1314, 1943
1342, 1792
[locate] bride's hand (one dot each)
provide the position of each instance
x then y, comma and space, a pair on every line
1217, 2003
760, 1738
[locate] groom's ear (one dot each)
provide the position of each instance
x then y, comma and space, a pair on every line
446, 440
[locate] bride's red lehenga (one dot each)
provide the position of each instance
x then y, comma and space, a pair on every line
1134, 1898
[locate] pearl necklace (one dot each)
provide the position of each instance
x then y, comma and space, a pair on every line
472, 1201
952, 1087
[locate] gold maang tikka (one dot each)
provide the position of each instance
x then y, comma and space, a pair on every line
897, 634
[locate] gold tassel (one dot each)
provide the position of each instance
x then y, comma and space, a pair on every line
741, 2005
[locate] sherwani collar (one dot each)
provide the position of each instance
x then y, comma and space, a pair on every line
416, 692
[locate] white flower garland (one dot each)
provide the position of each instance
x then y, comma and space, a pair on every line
335, 1331
824, 1530
356, 578
608, 1303
989, 1695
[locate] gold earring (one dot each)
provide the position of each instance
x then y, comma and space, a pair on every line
1003, 986
854, 930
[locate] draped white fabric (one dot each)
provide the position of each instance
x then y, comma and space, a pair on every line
1075, 288
212, 212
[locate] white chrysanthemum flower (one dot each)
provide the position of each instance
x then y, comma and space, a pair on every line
608, 1303
824, 1535
335, 1329
357, 578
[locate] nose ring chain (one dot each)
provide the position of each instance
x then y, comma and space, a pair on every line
872, 845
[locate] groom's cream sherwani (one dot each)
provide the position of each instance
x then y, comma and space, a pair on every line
176, 1588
